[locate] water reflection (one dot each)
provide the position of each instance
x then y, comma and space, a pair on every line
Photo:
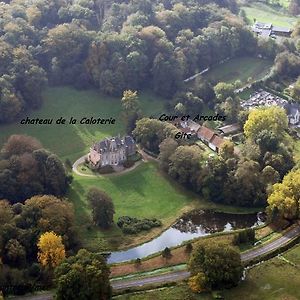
195, 224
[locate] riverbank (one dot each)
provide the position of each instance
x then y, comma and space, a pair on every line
179, 254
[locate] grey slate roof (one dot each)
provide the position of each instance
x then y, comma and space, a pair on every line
109, 144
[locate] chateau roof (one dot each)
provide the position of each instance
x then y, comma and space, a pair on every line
113, 143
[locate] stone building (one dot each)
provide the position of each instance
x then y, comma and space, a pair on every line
112, 151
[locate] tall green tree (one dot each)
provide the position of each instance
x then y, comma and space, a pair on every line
131, 109
220, 264
83, 277
102, 208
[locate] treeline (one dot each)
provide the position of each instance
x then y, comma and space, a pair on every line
114, 45
26, 169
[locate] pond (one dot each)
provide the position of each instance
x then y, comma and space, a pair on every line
195, 224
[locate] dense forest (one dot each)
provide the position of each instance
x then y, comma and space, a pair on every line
118, 45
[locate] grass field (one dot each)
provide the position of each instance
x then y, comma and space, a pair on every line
268, 14
72, 141
142, 193
240, 68
275, 279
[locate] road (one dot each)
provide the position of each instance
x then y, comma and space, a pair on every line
168, 277
181, 275
272, 245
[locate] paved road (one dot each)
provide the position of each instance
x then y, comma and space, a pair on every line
272, 245
169, 277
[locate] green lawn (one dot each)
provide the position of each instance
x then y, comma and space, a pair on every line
240, 68
72, 141
268, 14
142, 193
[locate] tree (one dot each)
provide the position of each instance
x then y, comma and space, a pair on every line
272, 119
27, 170
267, 141
166, 253
197, 283
166, 148
227, 150
270, 175
185, 164
15, 253
285, 198
131, 109
224, 90
83, 277
220, 263
231, 108
295, 93
20, 144
102, 208
51, 250
151, 132
188, 248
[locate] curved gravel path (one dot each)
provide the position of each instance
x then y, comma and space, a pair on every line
81, 160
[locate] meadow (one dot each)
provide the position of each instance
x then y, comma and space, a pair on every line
241, 68
73, 141
262, 12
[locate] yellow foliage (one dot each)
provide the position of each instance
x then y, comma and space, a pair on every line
51, 250
272, 119
197, 283
286, 196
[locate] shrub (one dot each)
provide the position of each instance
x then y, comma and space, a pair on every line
130, 225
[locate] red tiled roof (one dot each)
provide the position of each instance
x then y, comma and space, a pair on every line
205, 133
217, 141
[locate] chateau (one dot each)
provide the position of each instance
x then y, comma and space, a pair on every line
112, 151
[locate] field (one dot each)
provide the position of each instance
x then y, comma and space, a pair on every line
72, 141
268, 14
240, 68
143, 193
275, 279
